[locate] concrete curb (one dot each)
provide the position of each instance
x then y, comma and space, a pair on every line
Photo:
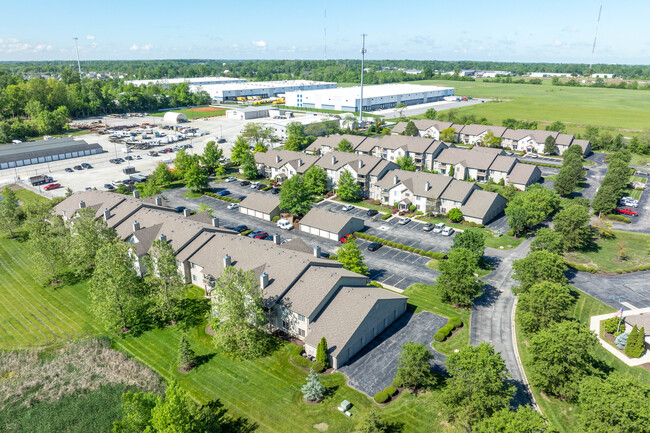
519, 364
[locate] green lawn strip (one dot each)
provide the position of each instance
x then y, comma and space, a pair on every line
640, 160
25, 195
604, 254
359, 203
191, 194
323, 110
193, 114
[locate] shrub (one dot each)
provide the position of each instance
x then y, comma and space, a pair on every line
611, 324
266, 188
455, 322
386, 216
381, 397
412, 208
246, 232
446, 329
621, 340
317, 367
276, 219
377, 202
619, 218
390, 390
510, 232
455, 215
300, 361
439, 337
396, 383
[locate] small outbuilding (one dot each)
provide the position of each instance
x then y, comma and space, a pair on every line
174, 117
261, 206
329, 225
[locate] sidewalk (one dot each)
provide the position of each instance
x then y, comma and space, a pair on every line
594, 325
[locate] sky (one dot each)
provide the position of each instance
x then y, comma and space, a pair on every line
520, 31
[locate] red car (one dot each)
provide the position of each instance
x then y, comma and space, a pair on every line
262, 235
168, 150
346, 238
52, 186
626, 211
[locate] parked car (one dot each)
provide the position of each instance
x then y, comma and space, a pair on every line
258, 187
86, 165
223, 193
275, 190
180, 209
285, 224
372, 212
231, 179
120, 159
69, 170
427, 227
232, 206
128, 158
138, 157
241, 197
109, 186
261, 235
628, 202
532, 155
116, 182
221, 140
348, 207
448, 231
438, 228
241, 228
626, 211
244, 183
78, 167
254, 185
404, 220
374, 246
254, 233
346, 238
52, 186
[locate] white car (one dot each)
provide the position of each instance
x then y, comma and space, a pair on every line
231, 179
404, 220
116, 182
233, 206
439, 228
532, 155
254, 185
348, 207
285, 224
447, 231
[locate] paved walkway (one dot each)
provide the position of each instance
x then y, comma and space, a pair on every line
492, 316
594, 325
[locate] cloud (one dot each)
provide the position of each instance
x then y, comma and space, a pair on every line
235, 45
259, 44
13, 45
42, 47
134, 47
90, 37
146, 47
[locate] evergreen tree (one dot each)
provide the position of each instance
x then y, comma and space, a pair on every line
372, 422
635, 343
414, 370
345, 146
411, 129
549, 145
186, 356
321, 353
313, 390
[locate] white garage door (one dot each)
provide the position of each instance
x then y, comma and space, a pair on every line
334, 237
305, 229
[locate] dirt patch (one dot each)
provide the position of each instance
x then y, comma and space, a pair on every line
206, 109
209, 330
322, 426
544, 396
311, 402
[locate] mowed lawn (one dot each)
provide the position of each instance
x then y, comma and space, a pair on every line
195, 113
32, 315
577, 106
605, 254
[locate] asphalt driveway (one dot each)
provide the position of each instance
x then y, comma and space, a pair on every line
627, 290
374, 368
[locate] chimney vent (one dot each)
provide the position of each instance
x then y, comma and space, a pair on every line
427, 186
107, 214
136, 226
299, 162
277, 159
264, 280
215, 222
333, 159
395, 180
186, 212
317, 252
82, 204
163, 238
158, 201
361, 164
226, 261
136, 193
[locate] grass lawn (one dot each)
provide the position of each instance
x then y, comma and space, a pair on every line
361, 203
561, 413
632, 192
190, 194
640, 160
195, 113
618, 109
25, 195
604, 254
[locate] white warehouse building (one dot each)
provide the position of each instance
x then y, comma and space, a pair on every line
198, 81
377, 97
263, 89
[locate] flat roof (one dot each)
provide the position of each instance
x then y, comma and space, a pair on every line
261, 85
376, 91
34, 149
185, 80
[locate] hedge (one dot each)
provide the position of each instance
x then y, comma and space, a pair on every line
439, 337
430, 254
396, 383
619, 218
541, 164
246, 232
455, 322
390, 390
386, 216
218, 197
266, 188
381, 397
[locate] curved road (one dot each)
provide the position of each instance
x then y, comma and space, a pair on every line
491, 319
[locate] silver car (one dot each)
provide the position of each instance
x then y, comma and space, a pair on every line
439, 228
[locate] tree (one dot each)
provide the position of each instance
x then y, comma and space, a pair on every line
477, 386
557, 126
635, 343
472, 240
430, 114
313, 390
561, 356
348, 189
196, 179
570, 174
321, 353
261, 147
296, 136
454, 215
148, 188
549, 145
205, 208
572, 223
10, 213
186, 356
447, 135
490, 140
296, 196
405, 163
352, 258
456, 282
178, 413
548, 240
163, 279
617, 403
88, 235
136, 412
183, 161
349, 122
574, 149
529, 208
256, 133
316, 180
411, 130
414, 369
400, 108
542, 305
517, 218
523, 420
345, 146
605, 200
536, 267
239, 148
48, 239
211, 158
115, 295
239, 316
372, 422
249, 166
161, 175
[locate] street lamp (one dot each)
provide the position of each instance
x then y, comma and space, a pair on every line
363, 56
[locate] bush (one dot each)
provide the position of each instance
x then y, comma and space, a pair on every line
619, 218
611, 324
510, 232
317, 367
396, 383
377, 202
266, 188
390, 390
276, 219
386, 216
455, 215
455, 322
381, 397
412, 208
439, 337
446, 330
621, 340
246, 232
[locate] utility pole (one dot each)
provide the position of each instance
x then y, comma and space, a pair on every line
78, 63
363, 56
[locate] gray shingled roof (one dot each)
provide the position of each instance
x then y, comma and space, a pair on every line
503, 163
279, 158
333, 141
477, 157
43, 148
265, 203
458, 190
523, 173
480, 202
332, 222
417, 184
475, 129
336, 160
408, 143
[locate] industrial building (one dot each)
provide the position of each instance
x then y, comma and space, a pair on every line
199, 81
248, 113
36, 152
263, 89
174, 117
377, 97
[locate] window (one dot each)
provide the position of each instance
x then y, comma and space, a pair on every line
194, 277
301, 317
285, 324
301, 332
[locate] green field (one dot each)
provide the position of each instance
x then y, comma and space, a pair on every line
604, 254
625, 110
195, 113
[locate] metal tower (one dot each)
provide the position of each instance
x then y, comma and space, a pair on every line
363, 56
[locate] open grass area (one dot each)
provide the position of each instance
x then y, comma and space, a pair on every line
24, 195
604, 254
618, 109
195, 113
561, 413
